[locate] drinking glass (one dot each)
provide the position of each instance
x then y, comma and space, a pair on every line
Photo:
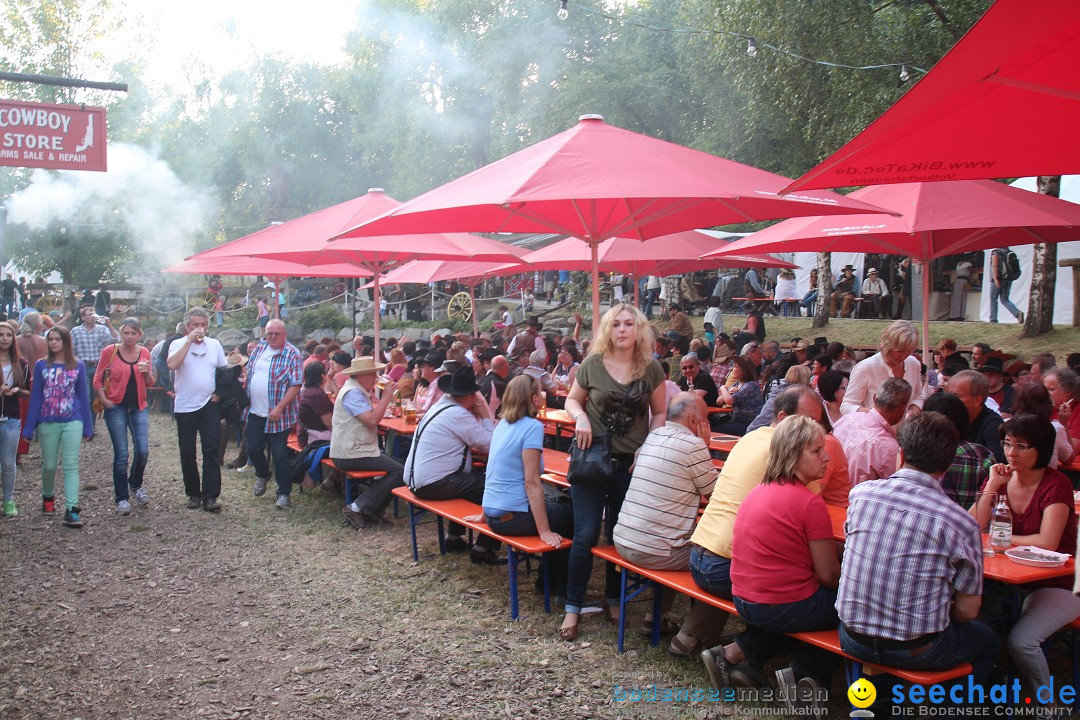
988, 549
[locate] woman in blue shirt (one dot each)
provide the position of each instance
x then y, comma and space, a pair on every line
60, 412
514, 502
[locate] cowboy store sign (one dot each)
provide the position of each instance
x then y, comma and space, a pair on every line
58, 137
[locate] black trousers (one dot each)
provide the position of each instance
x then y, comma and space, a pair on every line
465, 485
206, 422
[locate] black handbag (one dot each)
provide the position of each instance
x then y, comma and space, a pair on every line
593, 465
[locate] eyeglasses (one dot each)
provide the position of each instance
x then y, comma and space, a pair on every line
1010, 445
272, 332
688, 367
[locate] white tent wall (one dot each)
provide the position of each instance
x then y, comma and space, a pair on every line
808, 261
1020, 293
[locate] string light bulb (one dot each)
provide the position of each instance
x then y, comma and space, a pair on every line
563, 12
904, 74
751, 47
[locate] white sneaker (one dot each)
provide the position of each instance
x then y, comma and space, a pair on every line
123, 508
260, 486
247, 468
785, 685
141, 496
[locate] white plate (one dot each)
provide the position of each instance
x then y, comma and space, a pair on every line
1036, 557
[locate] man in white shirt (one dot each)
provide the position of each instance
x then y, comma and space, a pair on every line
195, 360
439, 466
714, 316
875, 290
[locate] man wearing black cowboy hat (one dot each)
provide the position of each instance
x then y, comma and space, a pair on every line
530, 338
843, 290
439, 466
1004, 395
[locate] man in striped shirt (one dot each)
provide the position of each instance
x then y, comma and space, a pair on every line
911, 582
673, 471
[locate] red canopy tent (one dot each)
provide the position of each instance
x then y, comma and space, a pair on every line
594, 182
938, 219
1004, 102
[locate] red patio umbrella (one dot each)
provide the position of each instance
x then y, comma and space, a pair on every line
938, 219
594, 182
305, 241
1004, 102
666, 255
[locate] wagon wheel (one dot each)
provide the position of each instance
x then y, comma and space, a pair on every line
233, 300
460, 307
203, 299
48, 302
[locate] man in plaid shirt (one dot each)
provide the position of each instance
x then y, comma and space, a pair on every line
89, 339
275, 373
912, 579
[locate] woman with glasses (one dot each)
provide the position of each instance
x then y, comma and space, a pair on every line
744, 397
1041, 501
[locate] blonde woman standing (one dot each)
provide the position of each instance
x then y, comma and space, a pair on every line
614, 391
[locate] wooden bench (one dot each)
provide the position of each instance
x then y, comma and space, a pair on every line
349, 476
519, 548
682, 581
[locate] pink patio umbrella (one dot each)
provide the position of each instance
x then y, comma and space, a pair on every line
305, 241
666, 255
1004, 102
938, 219
594, 182
469, 274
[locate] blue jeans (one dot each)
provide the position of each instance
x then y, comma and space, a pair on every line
120, 419
651, 296
766, 624
1001, 293
971, 642
808, 302
560, 519
594, 504
712, 573
9, 445
258, 442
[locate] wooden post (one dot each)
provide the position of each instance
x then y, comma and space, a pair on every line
1075, 265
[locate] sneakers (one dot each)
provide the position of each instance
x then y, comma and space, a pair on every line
811, 696
72, 519
48, 505
785, 684
1020, 317
247, 468
717, 666
123, 508
10, 510
194, 502
260, 486
141, 496
211, 505
283, 502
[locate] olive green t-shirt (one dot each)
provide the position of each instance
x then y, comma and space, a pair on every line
610, 407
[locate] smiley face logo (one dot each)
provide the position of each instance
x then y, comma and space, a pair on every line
862, 693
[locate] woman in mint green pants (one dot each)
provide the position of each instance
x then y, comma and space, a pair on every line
60, 411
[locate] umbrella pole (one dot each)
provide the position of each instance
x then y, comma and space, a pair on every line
277, 299
637, 290
475, 320
595, 248
926, 314
377, 313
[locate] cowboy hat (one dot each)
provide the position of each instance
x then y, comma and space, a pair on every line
460, 384
235, 357
992, 364
449, 366
722, 353
363, 365
848, 267
872, 271
534, 320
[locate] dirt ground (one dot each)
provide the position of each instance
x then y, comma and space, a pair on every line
262, 613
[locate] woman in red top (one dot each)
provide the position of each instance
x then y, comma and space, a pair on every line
784, 566
129, 371
1041, 501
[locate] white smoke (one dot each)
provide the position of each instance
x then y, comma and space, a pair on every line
139, 197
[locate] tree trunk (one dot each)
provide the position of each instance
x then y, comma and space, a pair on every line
1040, 315
824, 295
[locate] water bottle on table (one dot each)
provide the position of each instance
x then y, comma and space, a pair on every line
1001, 525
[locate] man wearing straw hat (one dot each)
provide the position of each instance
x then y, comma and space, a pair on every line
354, 440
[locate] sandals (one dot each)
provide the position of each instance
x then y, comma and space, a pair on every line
570, 633
678, 648
666, 627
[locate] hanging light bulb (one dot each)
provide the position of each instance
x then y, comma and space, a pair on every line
563, 12
751, 48
904, 74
